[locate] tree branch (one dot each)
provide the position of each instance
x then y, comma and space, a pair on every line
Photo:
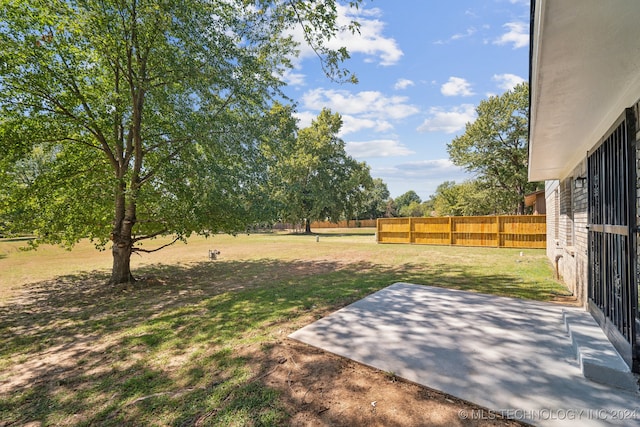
148, 251
307, 38
65, 111
149, 236
79, 141
184, 142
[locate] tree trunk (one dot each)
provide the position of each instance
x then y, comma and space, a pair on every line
307, 226
121, 271
125, 218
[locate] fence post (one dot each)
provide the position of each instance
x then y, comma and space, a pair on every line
410, 230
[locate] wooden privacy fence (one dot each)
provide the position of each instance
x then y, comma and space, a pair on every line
354, 223
508, 231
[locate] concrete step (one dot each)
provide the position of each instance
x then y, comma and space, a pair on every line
598, 358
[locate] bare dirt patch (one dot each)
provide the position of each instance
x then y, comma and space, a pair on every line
322, 389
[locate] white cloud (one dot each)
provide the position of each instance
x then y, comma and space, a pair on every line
450, 121
293, 78
352, 124
304, 118
377, 148
468, 33
507, 81
456, 86
425, 169
517, 34
367, 104
369, 41
361, 110
471, 13
403, 84
421, 176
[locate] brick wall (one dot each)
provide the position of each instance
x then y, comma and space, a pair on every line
580, 233
566, 212
566, 230
551, 193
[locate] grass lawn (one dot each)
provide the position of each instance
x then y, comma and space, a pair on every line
192, 341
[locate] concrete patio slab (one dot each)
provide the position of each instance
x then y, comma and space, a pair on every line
512, 356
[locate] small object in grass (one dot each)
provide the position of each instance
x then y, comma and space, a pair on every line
392, 376
374, 403
317, 238
213, 254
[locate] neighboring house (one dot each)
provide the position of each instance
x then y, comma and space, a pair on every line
537, 201
584, 128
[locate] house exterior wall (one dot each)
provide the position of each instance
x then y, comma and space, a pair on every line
540, 208
581, 233
552, 194
590, 117
567, 219
636, 111
567, 237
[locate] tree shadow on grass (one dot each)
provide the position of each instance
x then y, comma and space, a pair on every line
185, 344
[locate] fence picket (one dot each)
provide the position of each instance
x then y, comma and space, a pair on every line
511, 231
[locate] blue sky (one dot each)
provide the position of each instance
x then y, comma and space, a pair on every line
423, 66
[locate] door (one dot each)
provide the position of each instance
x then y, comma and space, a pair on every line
612, 251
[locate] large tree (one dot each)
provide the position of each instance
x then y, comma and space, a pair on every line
465, 199
142, 118
415, 209
316, 179
375, 200
494, 147
404, 200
